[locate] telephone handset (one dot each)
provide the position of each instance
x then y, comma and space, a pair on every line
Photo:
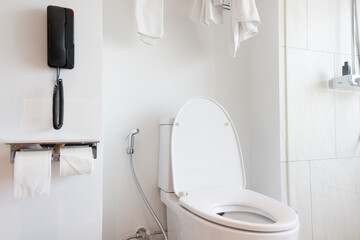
60, 35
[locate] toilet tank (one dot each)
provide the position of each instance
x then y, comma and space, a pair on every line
165, 181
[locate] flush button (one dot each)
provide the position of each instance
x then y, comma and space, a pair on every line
226, 124
177, 124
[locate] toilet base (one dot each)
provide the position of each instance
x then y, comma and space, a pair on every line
184, 225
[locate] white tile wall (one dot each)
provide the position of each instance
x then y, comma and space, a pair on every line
310, 105
323, 125
336, 199
296, 23
300, 196
284, 193
347, 107
347, 112
329, 25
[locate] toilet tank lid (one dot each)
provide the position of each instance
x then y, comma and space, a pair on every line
205, 149
166, 121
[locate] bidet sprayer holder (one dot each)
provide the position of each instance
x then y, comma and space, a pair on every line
130, 138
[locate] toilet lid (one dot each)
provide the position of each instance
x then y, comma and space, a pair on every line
205, 148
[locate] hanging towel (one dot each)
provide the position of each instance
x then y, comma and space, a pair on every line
204, 10
150, 20
32, 174
76, 161
244, 22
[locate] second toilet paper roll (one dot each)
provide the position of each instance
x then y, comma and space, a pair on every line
76, 161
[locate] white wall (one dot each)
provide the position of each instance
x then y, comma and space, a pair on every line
74, 208
265, 103
144, 83
323, 125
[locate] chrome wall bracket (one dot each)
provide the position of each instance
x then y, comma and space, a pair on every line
345, 83
55, 146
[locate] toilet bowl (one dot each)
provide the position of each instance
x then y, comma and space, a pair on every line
202, 181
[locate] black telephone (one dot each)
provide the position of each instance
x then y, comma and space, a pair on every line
60, 43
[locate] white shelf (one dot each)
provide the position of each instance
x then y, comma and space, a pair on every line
345, 83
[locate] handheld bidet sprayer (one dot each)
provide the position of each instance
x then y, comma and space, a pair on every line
130, 151
130, 138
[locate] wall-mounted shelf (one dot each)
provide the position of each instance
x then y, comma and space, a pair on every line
50, 145
345, 83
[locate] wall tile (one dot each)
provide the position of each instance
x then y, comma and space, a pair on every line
336, 199
322, 124
329, 25
284, 185
347, 109
296, 23
347, 112
299, 196
311, 122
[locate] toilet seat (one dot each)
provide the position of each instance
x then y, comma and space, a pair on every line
209, 176
209, 203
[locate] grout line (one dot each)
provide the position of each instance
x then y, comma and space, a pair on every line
324, 159
320, 51
311, 203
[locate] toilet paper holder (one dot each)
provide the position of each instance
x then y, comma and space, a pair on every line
55, 146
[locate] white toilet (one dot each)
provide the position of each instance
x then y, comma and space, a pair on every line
202, 181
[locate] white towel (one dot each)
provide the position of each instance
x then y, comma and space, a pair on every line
244, 20
32, 174
204, 10
150, 20
76, 161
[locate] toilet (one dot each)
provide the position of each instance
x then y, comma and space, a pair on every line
202, 181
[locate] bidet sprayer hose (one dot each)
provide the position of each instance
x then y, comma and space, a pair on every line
132, 237
131, 163
144, 197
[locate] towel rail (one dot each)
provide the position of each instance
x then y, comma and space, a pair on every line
45, 146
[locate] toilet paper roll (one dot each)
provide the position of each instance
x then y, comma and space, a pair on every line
76, 161
32, 174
